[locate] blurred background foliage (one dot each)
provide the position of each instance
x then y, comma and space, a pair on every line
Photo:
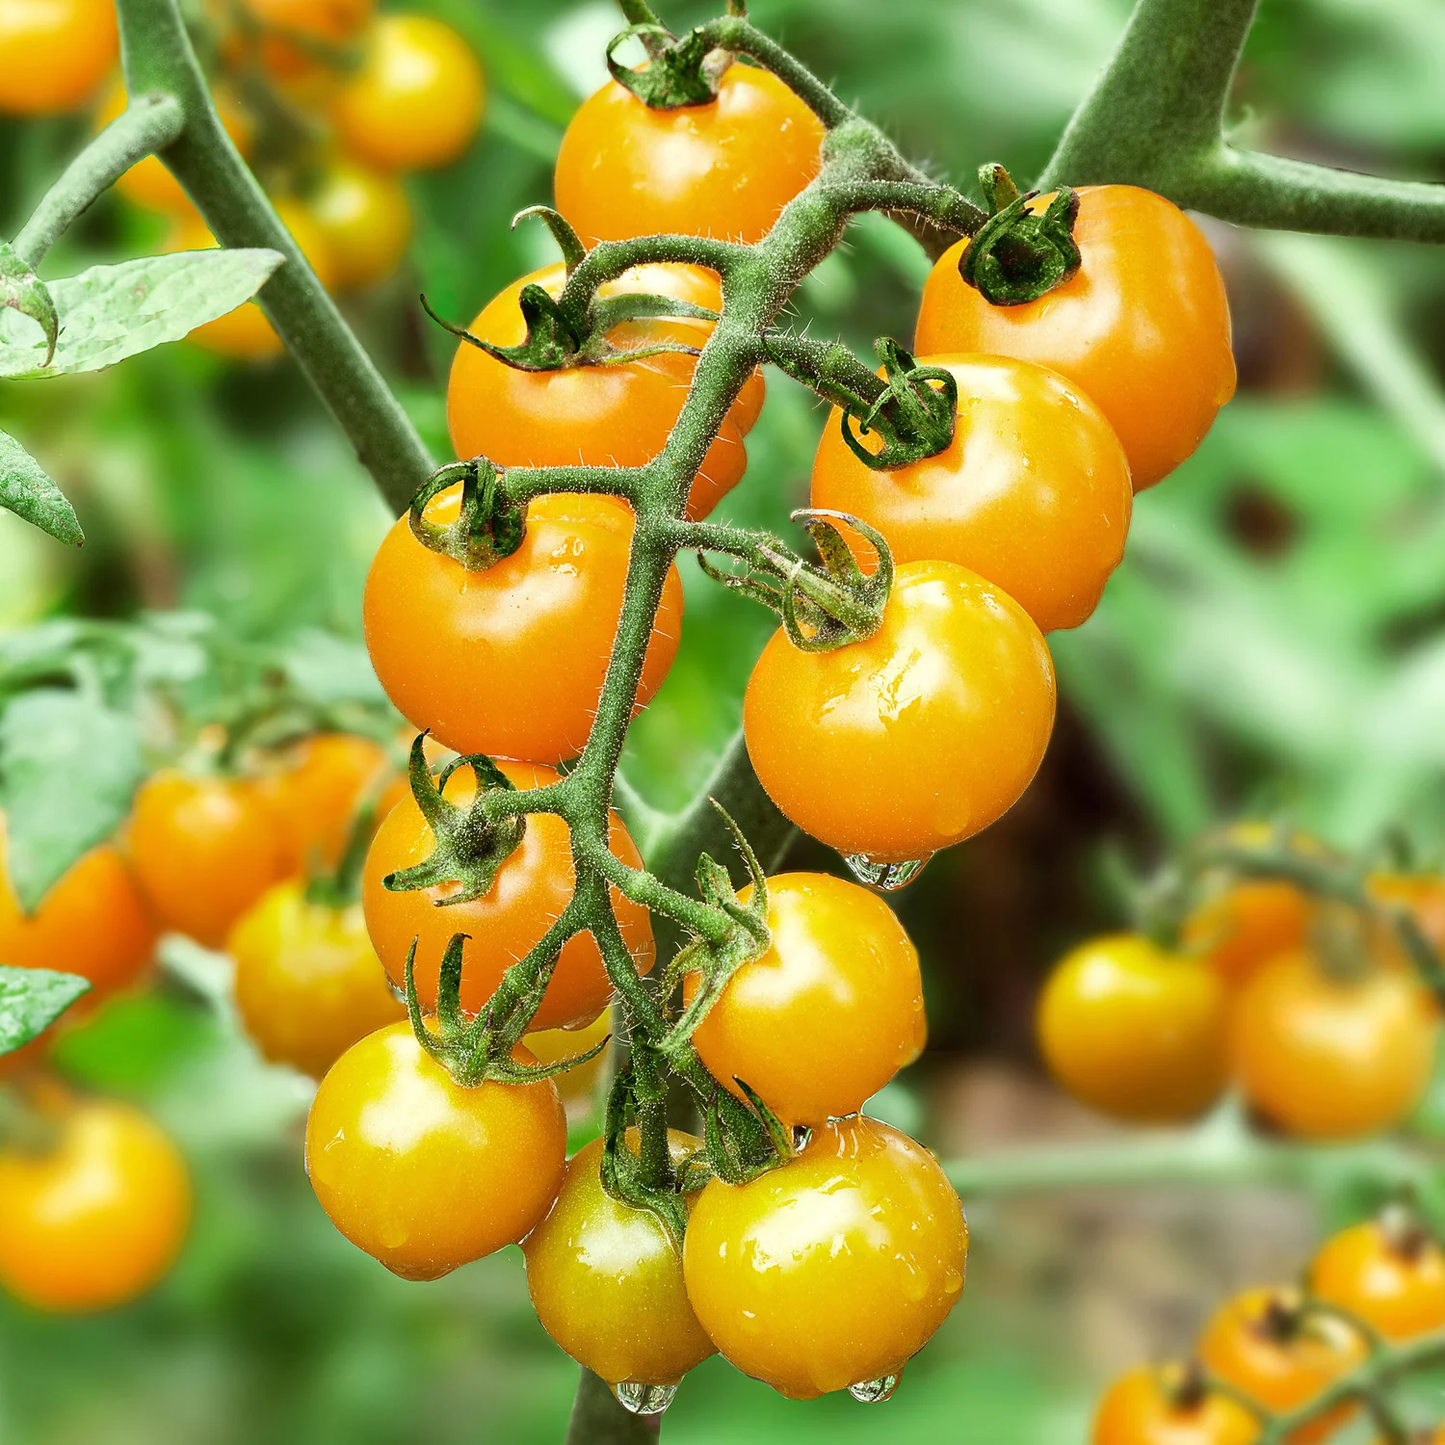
1276, 636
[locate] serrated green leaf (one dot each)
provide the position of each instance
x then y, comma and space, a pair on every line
31, 999
110, 312
69, 767
26, 490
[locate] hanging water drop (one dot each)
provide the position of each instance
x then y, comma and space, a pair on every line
887, 876
644, 1399
874, 1392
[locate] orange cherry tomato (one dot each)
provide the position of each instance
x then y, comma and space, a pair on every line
1158, 1405
916, 737
1328, 1058
308, 982
606, 1280
578, 1086
1391, 1279
1240, 929
530, 890
316, 24
1135, 1031
1259, 1343
828, 1014
99, 1218
423, 1174
1422, 895
416, 101
204, 849
1032, 493
94, 921
54, 53
832, 1270
725, 169
459, 652
615, 415
1142, 328
366, 219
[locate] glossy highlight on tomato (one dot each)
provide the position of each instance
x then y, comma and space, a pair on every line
1032, 493
1160, 1405
423, 1174
828, 1014
1392, 1278
54, 53
833, 1269
529, 892
458, 652
916, 737
1142, 328
725, 169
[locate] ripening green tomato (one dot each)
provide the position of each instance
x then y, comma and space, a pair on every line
606, 1279
833, 1269
828, 1014
423, 1174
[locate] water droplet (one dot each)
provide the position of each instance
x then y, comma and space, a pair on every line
644, 1399
874, 1392
887, 876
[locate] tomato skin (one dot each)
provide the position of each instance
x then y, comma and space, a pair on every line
54, 53
308, 982
94, 921
578, 1086
425, 1175
1422, 895
448, 648
1398, 1289
1142, 328
725, 169
97, 1221
204, 850
531, 889
1033, 492
834, 1008
618, 415
1251, 922
1140, 1408
1238, 1346
1135, 1031
835, 1268
606, 1279
957, 675
417, 99
1333, 1059
366, 219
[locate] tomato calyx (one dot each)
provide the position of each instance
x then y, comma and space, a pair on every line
678, 73
914, 417
645, 1178
1019, 255
488, 527
23, 291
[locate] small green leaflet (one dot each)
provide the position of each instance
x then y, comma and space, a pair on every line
110, 312
69, 767
27, 491
31, 999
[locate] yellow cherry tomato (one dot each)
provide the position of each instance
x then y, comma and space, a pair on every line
1159, 1405
578, 1086
54, 53
366, 219
1391, 1279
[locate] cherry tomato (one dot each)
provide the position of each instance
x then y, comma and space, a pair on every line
1135, 1031
834, 1008
725, 169
425, 1175
308, 982
94, 921
916, 737
317, 24
1157, 1405
530, 890
416, 101
615, 415
833, 1269
1422, 895
578, 1086
1258, 1343
1142, 328
606, 1280
1328, 1058
459, 652
99, 1218
1032, 493
54, 53
1394, 1281
366, 219
204, 849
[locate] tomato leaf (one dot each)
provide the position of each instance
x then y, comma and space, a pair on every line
110, 312
27, 491
31, 999
69, 767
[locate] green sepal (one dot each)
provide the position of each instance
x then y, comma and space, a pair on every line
625, 1176
489, 525
840, 604
550, 343
23, 291
915, 415
1019, 255
567, 239
743, 1140
680, 72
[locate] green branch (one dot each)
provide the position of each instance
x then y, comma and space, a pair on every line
597, 1418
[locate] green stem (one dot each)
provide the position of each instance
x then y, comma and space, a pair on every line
736, 33
149, 123
597, 1418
